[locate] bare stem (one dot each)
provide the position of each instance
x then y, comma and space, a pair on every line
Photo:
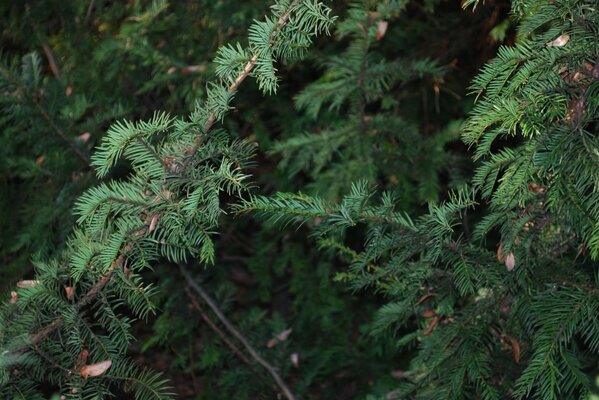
225, 321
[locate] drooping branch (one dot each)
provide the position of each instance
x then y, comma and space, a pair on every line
245, 72
121, 258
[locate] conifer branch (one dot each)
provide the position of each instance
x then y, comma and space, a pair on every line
36, 104
60, 133
121, 254
245, 72
89, 296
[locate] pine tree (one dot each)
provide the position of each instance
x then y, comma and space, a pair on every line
505, 305
67, 327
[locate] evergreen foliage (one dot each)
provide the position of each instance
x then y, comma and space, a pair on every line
168, 206
526, 329
353, 141
438, 272
86, 65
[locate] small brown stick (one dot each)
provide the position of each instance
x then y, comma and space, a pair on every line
51, 60
88, 14
225, 321
215, 328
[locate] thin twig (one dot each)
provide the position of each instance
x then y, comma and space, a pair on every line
208, 300
241, 77
51, 60
88, 14
215, 328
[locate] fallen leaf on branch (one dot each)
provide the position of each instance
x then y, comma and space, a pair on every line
84, 137
560, 41
69, 292
294, 359
153, 223
510, 261
500, 256
281, 337
399, 374
29, 283
96, 369
193, 68
381, 29
515, 349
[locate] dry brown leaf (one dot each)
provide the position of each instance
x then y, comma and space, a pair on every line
193, 68
84, 137
399, 374
82, 359
284, 335
381, 29
500, 256
69, 292
510, 261
29, 283
68, 91
561, 41
96, 369
281, 337
515, 349
153, 223
40, 160
428, 314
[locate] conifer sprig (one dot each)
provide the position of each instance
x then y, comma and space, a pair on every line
508, 305
168, 207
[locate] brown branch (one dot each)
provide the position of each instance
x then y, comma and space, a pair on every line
208, 300
215, 328
51, 60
